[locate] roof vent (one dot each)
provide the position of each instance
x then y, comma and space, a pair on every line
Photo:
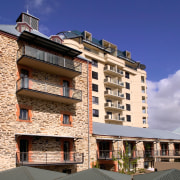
32, 21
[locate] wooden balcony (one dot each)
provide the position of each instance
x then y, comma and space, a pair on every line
47, 62
47, 91
48, 158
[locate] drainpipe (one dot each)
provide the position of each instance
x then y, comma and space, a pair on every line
88, 114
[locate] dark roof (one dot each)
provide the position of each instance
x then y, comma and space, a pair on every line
127, 131
42, 41
96, 174
171, 174
29, 173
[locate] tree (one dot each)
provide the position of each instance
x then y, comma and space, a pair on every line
125, 160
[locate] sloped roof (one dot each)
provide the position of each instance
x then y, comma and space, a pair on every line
171, 174
96, 174
127, 131
11, 29
29, 173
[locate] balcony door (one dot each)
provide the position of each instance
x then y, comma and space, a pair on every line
66, 150
24, 144
24, 78
164, 149
104, 149
65, 88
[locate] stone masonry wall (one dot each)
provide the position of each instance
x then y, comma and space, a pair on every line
45, 114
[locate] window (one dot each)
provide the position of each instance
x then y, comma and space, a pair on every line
95, 100
128, 96
143, 110
95, 113
23, 114
143, 89
66, 119
142, 79
128, 118
95, 87
143, 99
127, 75
94, 75
127, 85
128, 107
94, 62
144, 120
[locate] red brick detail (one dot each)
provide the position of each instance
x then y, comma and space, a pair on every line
26, 68
29, 108
90, 99
70, 118
20, 24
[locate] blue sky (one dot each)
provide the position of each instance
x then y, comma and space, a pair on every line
149, 29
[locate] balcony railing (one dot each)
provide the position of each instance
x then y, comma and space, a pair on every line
41, 158
114, 94
114, 82
53, 92
114, 106
112, 70
114, 118
108, 154
48, 62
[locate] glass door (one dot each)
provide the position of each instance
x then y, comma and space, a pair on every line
66, 150
24, 150
65, 88
24, 78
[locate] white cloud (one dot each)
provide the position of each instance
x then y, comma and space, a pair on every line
44, 29
41, 6
164, 102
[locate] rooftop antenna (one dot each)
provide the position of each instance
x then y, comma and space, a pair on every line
27, 7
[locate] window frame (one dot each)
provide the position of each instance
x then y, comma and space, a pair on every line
95, 113
127, 75
127, 85
128, 96
128, 107
94, 62
128, 118
95, 87
95, 75
95, 100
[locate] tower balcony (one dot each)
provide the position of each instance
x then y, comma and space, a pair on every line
114, 106
114, 118
48, 62
113, 71
47, 91
113, 82
114, 94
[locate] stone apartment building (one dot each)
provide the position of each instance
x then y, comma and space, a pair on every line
69, 100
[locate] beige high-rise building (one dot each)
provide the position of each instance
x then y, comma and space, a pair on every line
118, 82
